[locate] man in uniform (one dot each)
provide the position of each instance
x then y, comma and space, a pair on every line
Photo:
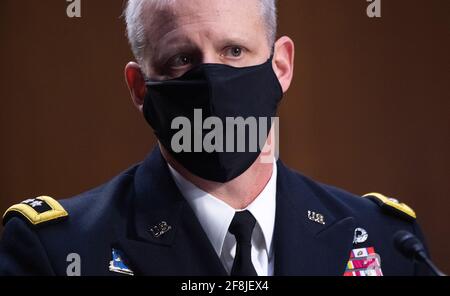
203, 211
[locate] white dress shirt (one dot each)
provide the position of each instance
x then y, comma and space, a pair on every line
215, 217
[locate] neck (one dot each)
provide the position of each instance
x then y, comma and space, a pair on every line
237, 193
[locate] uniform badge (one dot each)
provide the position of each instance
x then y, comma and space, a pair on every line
360, 236
363, 262
117, 264
392, 205
37, 210
316, 217
159, 229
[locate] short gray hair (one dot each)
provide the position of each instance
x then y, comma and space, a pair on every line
136, 29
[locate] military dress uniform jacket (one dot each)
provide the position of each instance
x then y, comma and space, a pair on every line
141, 215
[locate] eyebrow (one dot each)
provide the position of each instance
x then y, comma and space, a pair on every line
234, 41
185, 44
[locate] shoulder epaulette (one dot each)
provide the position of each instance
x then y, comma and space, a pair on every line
392, 205
37, 210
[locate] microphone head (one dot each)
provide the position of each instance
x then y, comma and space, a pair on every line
409, 245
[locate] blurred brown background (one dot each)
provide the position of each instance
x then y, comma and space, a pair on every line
368, 109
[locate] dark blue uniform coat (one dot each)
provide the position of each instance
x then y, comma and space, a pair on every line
119, 214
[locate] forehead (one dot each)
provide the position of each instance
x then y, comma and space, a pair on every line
190, 19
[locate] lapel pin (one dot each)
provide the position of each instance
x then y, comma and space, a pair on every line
360, 236
159, 229
316, 217
118, 265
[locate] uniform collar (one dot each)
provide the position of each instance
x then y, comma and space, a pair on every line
215, 215
303, 246
156, 199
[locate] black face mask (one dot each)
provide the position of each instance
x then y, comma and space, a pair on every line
221, 91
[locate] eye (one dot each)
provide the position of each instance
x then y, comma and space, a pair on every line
234, 51
179, 61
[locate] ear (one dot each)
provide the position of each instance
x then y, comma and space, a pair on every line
283, 61
136, 84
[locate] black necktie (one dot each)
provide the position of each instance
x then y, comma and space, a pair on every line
242, 227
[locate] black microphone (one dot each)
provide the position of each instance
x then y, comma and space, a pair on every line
411, 247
